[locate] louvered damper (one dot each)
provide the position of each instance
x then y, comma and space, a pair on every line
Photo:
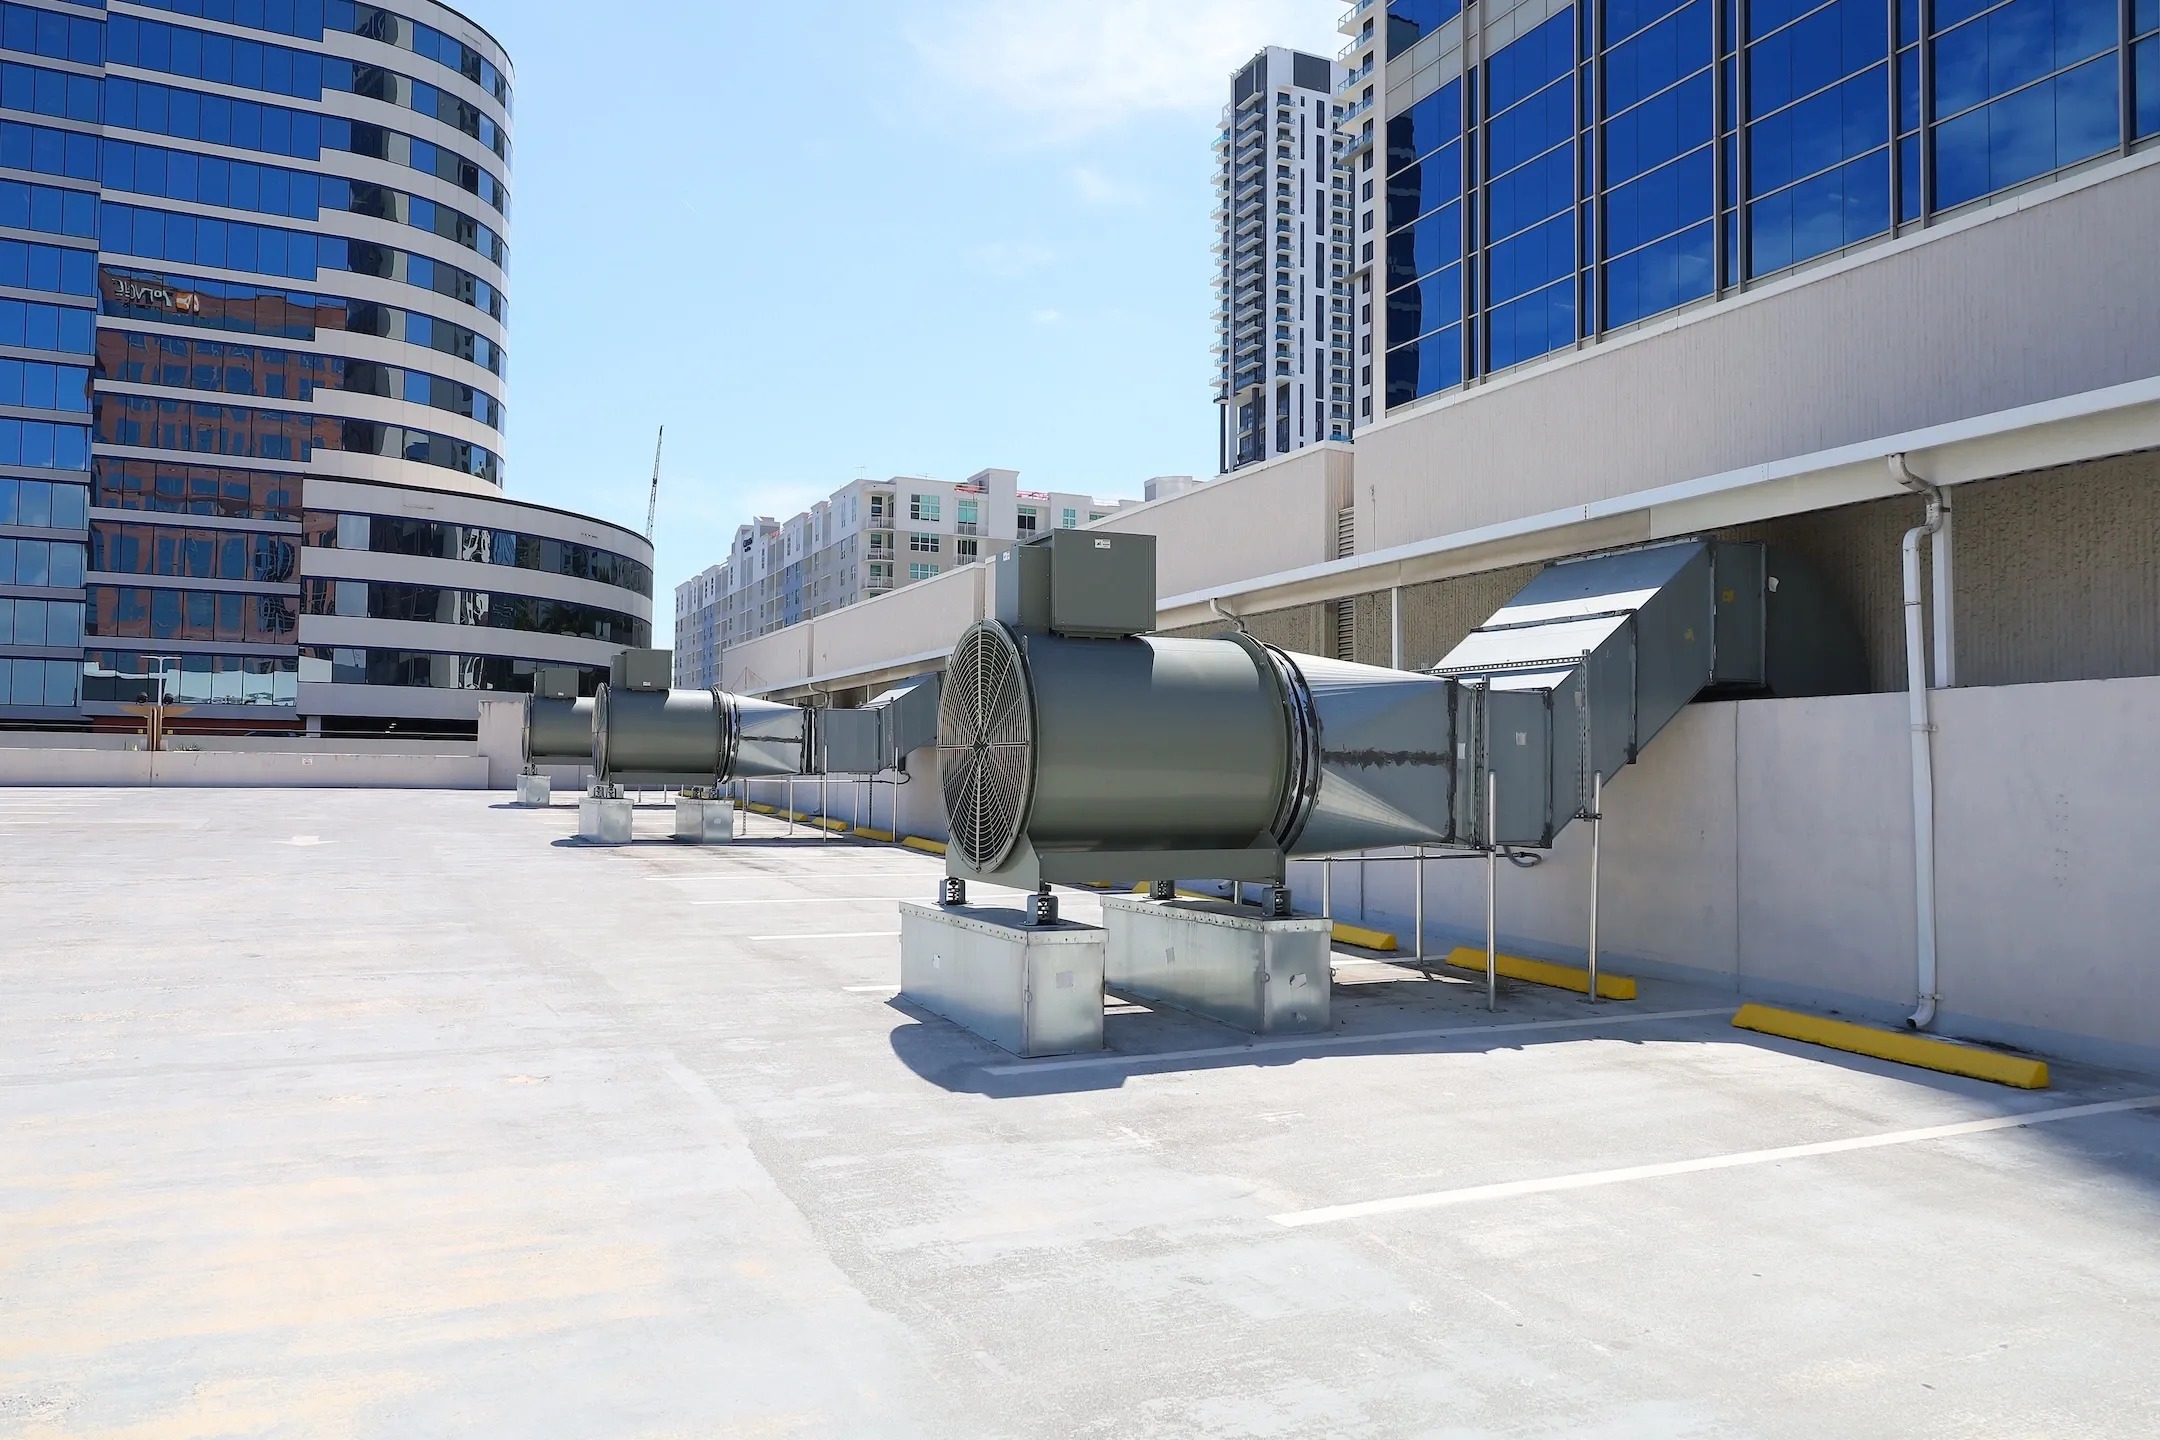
986, 742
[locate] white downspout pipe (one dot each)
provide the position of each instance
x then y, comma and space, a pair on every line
1923, 767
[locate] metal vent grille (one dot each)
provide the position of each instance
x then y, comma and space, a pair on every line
986, 744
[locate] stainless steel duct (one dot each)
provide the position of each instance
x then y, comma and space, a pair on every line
695, 737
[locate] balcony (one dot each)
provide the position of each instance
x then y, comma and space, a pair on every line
1353, 112
1353, 18
1356, 77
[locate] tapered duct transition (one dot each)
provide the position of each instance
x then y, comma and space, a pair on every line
986, 742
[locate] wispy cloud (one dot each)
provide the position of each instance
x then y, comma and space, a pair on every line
1046, 317
1074, 67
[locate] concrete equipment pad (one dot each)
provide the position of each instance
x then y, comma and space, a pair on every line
1224, 961
1033, 990
395, 1114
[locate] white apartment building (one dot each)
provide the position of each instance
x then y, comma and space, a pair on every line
867, 538
1291, 316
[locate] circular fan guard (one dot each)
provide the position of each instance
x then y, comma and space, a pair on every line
986, 745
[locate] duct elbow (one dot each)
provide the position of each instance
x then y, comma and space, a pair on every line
1922, 1017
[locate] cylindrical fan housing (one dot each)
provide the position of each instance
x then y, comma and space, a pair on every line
1145, 757
559, 731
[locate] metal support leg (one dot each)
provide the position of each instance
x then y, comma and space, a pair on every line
1597, 816
1327, 888
952, 890
1492, 890
1417, 865
1043, 907
824, 817
791, 805
1162, 890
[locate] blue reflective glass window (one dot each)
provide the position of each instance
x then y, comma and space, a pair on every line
1816, 51
1435, 240
1425, 366
1533, 258
2014, 45
1530, 128
1624, 17
1669, 198
1826, 128
2028, 134
1527, 65
1828, 212
1429, 303
1426, 126
1657, 130
1524, 196
2148, 88
2144, 16
1645, 64
1432, 182
1533, 325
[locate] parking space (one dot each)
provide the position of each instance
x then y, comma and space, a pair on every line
390, 1113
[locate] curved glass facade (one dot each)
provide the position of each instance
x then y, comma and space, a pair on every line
254, 258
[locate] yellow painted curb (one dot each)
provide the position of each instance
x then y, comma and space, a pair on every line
868, 834
1363, 938
1904, 1048
1544, 972
760, 809
928, 847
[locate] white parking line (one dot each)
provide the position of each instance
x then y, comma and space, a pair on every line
792, 875
1514, 1188
871, 989
806, 900
843, 935
1319, 1042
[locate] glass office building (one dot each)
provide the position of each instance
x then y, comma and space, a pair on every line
253, 364
1556, 172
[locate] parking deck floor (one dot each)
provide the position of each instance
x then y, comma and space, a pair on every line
394, 1114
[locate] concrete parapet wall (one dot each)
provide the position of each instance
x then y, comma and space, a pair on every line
1768, 843
69, 766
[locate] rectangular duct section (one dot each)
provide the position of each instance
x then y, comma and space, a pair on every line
1591, 659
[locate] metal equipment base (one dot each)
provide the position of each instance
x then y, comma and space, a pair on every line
1033, 989
535, 792
704, 822
1226, 962
604, 821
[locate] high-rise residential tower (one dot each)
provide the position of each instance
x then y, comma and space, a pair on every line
1286, 296
253, 332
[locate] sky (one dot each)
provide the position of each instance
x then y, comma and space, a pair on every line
861, 239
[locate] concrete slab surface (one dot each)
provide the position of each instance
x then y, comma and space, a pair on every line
403, 1114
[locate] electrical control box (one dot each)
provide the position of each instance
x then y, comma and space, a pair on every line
643, 670
1085, 583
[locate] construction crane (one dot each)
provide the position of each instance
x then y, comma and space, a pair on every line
652, 502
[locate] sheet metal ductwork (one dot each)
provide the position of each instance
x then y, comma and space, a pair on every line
696, 737
640, 732
1575, 675
1069, 753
